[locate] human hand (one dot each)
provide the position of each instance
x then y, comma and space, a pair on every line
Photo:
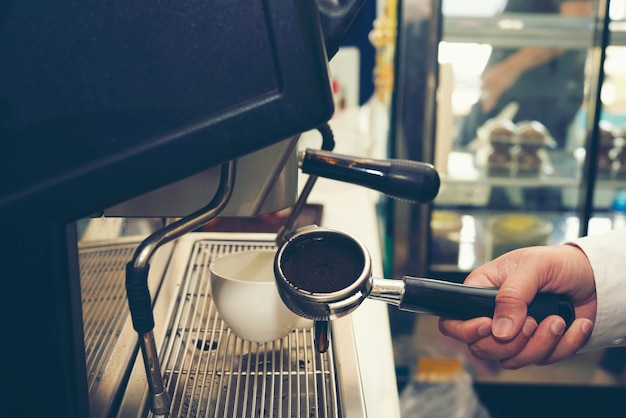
513, 338
495, 81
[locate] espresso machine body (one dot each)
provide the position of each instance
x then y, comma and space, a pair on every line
123, 98
102, 102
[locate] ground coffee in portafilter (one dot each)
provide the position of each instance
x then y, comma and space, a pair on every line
323, 263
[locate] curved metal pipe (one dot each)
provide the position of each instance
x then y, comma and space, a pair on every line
328, 144
189, 223
139, 299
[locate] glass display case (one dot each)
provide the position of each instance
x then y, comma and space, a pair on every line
551, 149
543, 164
517, 175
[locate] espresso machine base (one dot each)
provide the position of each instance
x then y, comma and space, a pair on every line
208, 370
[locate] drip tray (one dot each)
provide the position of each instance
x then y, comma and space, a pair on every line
210, 372
109, 338
226, 376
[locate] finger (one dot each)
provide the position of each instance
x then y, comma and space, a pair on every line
491, 348
540, 346
572, 341
468, 331
512, 301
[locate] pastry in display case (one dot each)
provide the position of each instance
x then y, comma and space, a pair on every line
514, 150
606, 149
618, 154
499, 137
611, 156
533, 142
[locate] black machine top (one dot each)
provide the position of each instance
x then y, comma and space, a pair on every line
103, 100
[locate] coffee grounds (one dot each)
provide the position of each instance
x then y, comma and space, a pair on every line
323, 264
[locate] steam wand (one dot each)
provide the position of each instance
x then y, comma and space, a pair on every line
328, 143
139, 299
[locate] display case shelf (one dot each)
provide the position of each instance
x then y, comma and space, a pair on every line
515, 30
474, 236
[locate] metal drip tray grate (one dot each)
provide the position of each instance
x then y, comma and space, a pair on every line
110, 341
105, 309
209, 372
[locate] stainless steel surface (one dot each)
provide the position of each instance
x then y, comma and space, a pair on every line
267, 182
210, 372
160, 400
110, 341
389, 291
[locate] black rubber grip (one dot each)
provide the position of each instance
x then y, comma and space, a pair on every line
401, 179
139, 300
459, 301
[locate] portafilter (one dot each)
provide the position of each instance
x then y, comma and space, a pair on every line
324, 274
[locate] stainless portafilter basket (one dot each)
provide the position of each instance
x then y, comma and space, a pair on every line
324, 274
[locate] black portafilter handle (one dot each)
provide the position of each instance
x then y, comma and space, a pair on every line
461, 301
401, 179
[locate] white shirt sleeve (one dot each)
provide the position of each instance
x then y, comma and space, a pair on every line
607, 255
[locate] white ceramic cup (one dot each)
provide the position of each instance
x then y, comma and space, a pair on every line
246, 297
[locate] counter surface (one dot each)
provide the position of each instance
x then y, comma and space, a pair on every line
352, 209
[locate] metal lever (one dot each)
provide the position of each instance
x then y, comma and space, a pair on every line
414, 181
139, 299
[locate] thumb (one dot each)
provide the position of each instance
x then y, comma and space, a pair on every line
510, 312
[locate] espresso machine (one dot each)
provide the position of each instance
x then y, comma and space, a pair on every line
154, 110
178, 113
